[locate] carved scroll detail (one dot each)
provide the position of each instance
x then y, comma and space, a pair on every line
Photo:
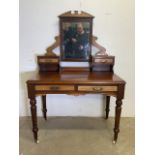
49, 50
98, 46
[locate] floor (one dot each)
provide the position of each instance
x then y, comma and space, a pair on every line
77, 136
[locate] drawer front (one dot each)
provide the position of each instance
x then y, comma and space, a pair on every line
97, 88
54, 88
106, 61
49, 60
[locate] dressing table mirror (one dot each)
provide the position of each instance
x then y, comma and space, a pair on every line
94, 75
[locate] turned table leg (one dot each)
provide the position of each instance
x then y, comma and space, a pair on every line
117, 119
44, 106
107, 106
34, 118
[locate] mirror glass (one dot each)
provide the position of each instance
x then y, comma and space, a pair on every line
76, 43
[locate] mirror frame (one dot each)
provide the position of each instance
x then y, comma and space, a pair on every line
75, 18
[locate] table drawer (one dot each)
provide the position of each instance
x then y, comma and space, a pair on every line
49, 60
97, 88
54, 88
106, 61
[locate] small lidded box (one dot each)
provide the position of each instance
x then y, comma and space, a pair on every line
48, 63
102, 63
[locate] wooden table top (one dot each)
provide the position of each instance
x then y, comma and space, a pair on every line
75, 78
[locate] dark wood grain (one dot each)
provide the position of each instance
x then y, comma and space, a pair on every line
34, 118
117, 118
118, 109
83, 14
48, 63
107, 106
98, 78
44, 109
69, 17
83, 82
102, 63
75, 77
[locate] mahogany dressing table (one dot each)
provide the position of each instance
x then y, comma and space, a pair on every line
97, 78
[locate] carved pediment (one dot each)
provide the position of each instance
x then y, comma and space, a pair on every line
76, 14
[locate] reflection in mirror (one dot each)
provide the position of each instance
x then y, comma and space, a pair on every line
76, 40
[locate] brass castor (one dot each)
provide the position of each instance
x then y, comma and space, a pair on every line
37, 142
114, 142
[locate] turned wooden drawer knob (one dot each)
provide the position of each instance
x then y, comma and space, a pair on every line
97, 88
